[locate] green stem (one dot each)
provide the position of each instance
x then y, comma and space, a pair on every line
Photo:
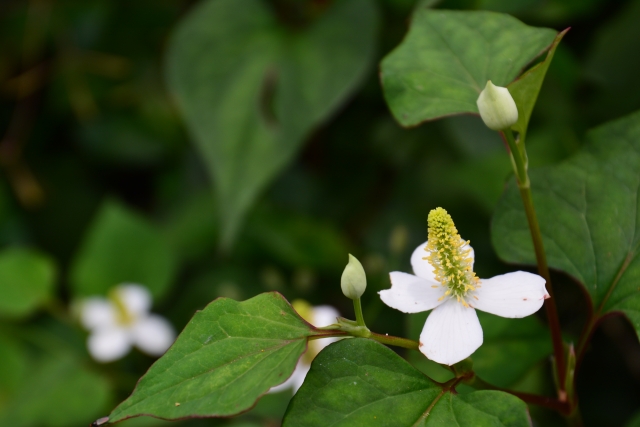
519, 159
357, 307
395, 341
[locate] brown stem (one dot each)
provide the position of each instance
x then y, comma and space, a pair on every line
535, 399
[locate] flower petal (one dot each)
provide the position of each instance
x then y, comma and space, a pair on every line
153, 334
294, 382
136, 298
96, 312
451, 333
412, 294
324, 315
516, 294
109, 344
421, 266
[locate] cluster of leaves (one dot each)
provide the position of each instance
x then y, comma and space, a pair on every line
100, 186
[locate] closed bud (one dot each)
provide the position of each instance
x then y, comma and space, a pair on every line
497, 107
354, 279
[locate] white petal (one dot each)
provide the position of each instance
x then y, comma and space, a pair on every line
299, 375
294, 381
451, 333
108, 344
153, 334
516, 294
324, 315
412, 294
97, 312
136, 298
422, 268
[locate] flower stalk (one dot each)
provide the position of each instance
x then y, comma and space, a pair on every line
519, 161
357, 307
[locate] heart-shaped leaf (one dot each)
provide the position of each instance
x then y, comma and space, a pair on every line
121, 246
58, 391
588, 209
359, 382
251, 90
447, 57
27, 279
525, 90
229, 355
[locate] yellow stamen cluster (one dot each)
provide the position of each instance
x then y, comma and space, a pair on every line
123, 317
449, 257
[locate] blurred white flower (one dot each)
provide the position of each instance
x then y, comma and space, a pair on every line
445, 282
318, 316
123, 320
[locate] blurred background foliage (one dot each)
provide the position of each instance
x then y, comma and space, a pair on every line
105, 178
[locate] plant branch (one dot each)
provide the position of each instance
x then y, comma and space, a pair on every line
395, 341
548, 402
519, 159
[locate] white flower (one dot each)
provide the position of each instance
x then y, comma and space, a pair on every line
445, 282
497, 107
318, 316
123, 320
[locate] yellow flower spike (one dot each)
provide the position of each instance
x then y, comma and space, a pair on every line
449, 255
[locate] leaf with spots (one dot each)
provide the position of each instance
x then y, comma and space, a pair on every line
589, 217
228, 355
359, 382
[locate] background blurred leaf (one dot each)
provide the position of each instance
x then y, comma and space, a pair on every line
589, 217
257, 343
359, 382
297, 240
121, 246
58, 392
13, 368
613, 65
251, 89
447, 57
27, 278
128, 140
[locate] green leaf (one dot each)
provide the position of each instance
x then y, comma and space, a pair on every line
59, 392
588, 211
121, 246
525, 90
13, 368
359, 382
27, 279
251, 90
229, 355
447, 57
511, 349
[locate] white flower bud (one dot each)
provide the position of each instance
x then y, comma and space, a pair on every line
497, 108
354, 279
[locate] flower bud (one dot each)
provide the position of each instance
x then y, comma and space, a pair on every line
354, 279
497, 108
